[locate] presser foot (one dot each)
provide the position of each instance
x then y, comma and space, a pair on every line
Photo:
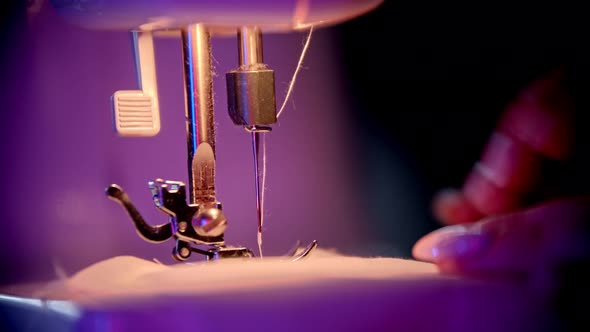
229, 252
189, 224
183, 249
294, 254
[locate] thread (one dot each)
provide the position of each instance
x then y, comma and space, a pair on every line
263, 143
262, 190
299, 65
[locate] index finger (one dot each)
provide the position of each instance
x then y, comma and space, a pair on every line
537, 126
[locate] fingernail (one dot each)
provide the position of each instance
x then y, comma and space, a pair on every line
451, 242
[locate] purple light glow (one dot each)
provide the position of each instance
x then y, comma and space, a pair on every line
63, 151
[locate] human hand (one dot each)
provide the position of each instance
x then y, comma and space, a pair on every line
499, 224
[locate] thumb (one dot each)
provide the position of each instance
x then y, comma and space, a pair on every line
513, 245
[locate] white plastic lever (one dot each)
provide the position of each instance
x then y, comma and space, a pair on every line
137, 112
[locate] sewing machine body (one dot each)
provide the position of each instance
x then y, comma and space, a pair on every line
194, 211
222, 16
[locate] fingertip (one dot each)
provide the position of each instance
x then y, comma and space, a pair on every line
451, 243
451, 207
425, 249
422, 249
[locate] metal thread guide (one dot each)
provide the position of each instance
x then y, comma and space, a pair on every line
199, 224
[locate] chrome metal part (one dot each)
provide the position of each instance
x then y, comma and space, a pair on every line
229, 252
293, 249
181, 251
196, 50
199, 219
305, 253
186, 224
251, 101
251, 97
251, 88
200, 224
209, 221
256, 132
170, 198
250, 47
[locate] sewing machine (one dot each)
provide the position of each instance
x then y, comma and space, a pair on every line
320, 293
196, 218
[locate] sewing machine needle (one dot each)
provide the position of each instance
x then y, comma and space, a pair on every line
256, 153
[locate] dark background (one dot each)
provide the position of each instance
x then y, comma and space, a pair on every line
429, 80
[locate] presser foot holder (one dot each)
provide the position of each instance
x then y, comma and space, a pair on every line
170, 198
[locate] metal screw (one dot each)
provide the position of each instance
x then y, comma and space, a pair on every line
182, 226
184, 252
